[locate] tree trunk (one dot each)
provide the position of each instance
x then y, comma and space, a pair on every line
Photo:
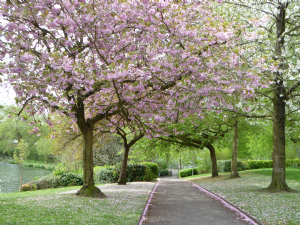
123, 177
88, 189
234, 169
21, 178
278, 182
213, 158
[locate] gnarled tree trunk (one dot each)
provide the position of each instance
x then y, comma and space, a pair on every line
234, 169
213, 158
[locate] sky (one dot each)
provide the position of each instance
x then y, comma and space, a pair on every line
7, 96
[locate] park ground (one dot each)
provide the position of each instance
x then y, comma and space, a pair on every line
125, 204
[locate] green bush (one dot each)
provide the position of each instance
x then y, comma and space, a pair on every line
52, 181
45, 182
28, 164
188, 172
107, 175
225, 165
257, 164
153, 167
59, 171
163, 172
12, 161
134, 172
71, 179
50, 167
38, 166
292, 162
149, 175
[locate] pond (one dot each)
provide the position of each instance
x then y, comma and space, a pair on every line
10, 176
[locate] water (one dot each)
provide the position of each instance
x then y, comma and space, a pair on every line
10, 176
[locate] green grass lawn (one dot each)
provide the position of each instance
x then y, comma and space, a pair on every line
245, 192
123, 204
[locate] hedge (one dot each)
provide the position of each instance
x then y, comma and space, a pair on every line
188, 172
134, 172
67, 179
152, 166
163, 172
225, 165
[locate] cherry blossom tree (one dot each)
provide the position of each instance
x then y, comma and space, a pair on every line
272, 29
106, 60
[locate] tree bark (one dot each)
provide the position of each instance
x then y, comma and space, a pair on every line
213, 158
123, 176
278, 182
88, 189
234, 169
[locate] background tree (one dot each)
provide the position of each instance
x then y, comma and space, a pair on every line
274, 34
21, 156
14, 128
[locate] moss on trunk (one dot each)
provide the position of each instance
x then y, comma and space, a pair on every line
90, 191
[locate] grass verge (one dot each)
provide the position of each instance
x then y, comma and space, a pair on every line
269, 208
124, 205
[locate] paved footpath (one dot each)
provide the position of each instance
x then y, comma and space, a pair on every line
179, 202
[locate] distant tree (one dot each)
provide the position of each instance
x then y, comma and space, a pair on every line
20, 155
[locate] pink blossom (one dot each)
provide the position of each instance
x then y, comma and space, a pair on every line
26, 57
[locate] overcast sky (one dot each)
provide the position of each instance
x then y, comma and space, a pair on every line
7, 96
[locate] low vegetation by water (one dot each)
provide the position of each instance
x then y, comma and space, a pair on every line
123, 205
269, 208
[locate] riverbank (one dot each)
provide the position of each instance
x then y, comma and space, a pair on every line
11, 174
123, 205
32, 163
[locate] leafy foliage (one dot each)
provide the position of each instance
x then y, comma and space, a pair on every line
134, 172
153, 167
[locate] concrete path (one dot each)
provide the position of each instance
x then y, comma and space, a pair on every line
178, 202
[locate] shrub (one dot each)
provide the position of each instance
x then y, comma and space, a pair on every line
52, 181
59, 171
134, 172
225, 165
163, 172
257, 164
149, 175
292, 162
12, 161
188, 172
153, 167
28, 164
28, 187
107, 175
50, 167
38, 166
44, 182
71, 179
